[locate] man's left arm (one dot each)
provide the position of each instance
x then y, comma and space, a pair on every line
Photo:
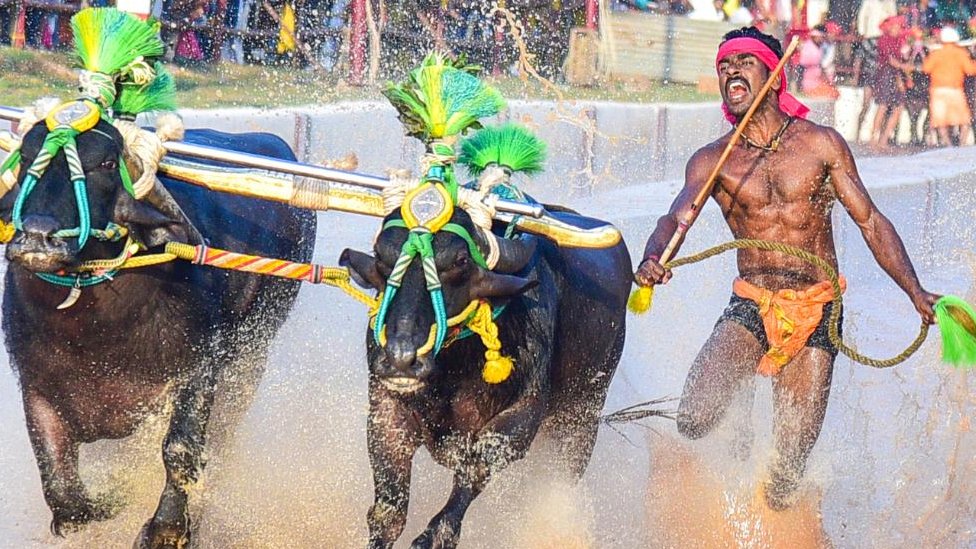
878, 232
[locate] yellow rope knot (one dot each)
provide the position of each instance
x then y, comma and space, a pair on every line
7, 231
497, 367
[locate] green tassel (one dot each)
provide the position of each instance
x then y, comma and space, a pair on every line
442, 98
957, 323
509, 145
158, 95
108, 40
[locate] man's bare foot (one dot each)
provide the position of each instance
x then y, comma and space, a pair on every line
780, 492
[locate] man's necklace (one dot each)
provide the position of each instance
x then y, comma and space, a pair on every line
774, 144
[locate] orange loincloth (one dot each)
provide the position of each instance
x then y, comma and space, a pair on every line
789, 318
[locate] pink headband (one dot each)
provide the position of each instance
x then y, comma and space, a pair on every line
787, 103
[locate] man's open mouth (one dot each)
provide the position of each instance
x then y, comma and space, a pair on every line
736, 89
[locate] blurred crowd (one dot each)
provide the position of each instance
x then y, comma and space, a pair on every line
311, 33
907, 56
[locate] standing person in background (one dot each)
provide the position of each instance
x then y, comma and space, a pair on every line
889, 84
916, 85
814, 82
869, 18
947, 67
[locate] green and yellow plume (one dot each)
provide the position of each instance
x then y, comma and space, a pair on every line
113, 46
158, 95
510, 145
443, 98
957, 324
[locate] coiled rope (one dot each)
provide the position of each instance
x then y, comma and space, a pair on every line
833, 326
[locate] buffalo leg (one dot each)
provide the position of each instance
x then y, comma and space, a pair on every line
392, 436
183, 459
57, 458
503, 440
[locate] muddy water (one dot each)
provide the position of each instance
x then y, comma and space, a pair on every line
892, 467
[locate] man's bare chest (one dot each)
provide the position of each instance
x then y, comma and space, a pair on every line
771, 179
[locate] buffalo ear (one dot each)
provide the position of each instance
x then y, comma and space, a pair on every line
150, 226
362, 268
491, 284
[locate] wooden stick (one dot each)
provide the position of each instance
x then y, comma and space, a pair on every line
706, 191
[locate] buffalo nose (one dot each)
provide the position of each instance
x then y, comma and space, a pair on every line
40, 226
402, 356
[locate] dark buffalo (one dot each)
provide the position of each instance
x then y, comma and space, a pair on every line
170, 334
564, 327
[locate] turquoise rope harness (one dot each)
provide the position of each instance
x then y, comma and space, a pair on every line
420, 241
58, 139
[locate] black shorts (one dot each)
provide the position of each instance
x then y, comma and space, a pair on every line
746, 312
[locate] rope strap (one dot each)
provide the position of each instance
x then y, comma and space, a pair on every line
833, 326
315, 274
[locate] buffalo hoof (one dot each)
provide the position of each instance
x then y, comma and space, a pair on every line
439, 535
73, 517
780, 492
158, 536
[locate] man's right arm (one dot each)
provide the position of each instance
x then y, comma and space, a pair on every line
650, 271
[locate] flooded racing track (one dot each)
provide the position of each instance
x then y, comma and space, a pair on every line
893, 466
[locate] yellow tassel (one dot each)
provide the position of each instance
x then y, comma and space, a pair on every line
6, 232
497, 369
641, 299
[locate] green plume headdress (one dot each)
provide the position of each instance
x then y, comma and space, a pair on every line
957, 323
113, 46
443, 98
510, 145
158, 95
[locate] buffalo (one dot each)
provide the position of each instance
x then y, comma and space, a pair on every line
168, 337
563, 324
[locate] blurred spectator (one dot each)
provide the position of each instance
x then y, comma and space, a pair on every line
869, 18
813, 83
740, 12
947, 67
916, 85
952, 13
711, 11
6, 21
889, 87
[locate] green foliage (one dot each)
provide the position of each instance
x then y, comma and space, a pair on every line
509, 145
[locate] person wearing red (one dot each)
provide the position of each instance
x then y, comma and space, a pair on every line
889, 85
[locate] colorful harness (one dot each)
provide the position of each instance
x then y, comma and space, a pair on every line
426, 210
64, 125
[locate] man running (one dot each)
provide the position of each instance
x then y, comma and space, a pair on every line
779, 183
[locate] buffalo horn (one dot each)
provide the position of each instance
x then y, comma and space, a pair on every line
514, 254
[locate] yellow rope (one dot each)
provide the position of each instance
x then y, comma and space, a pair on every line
497, 367
833, 326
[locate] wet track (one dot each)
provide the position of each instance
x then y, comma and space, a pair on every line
892, 467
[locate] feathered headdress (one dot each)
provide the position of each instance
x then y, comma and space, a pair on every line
443, 98
112, 46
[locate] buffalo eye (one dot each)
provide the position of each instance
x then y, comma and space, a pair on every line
109, 164
458, 271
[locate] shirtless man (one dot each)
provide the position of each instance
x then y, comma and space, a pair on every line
779, 183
